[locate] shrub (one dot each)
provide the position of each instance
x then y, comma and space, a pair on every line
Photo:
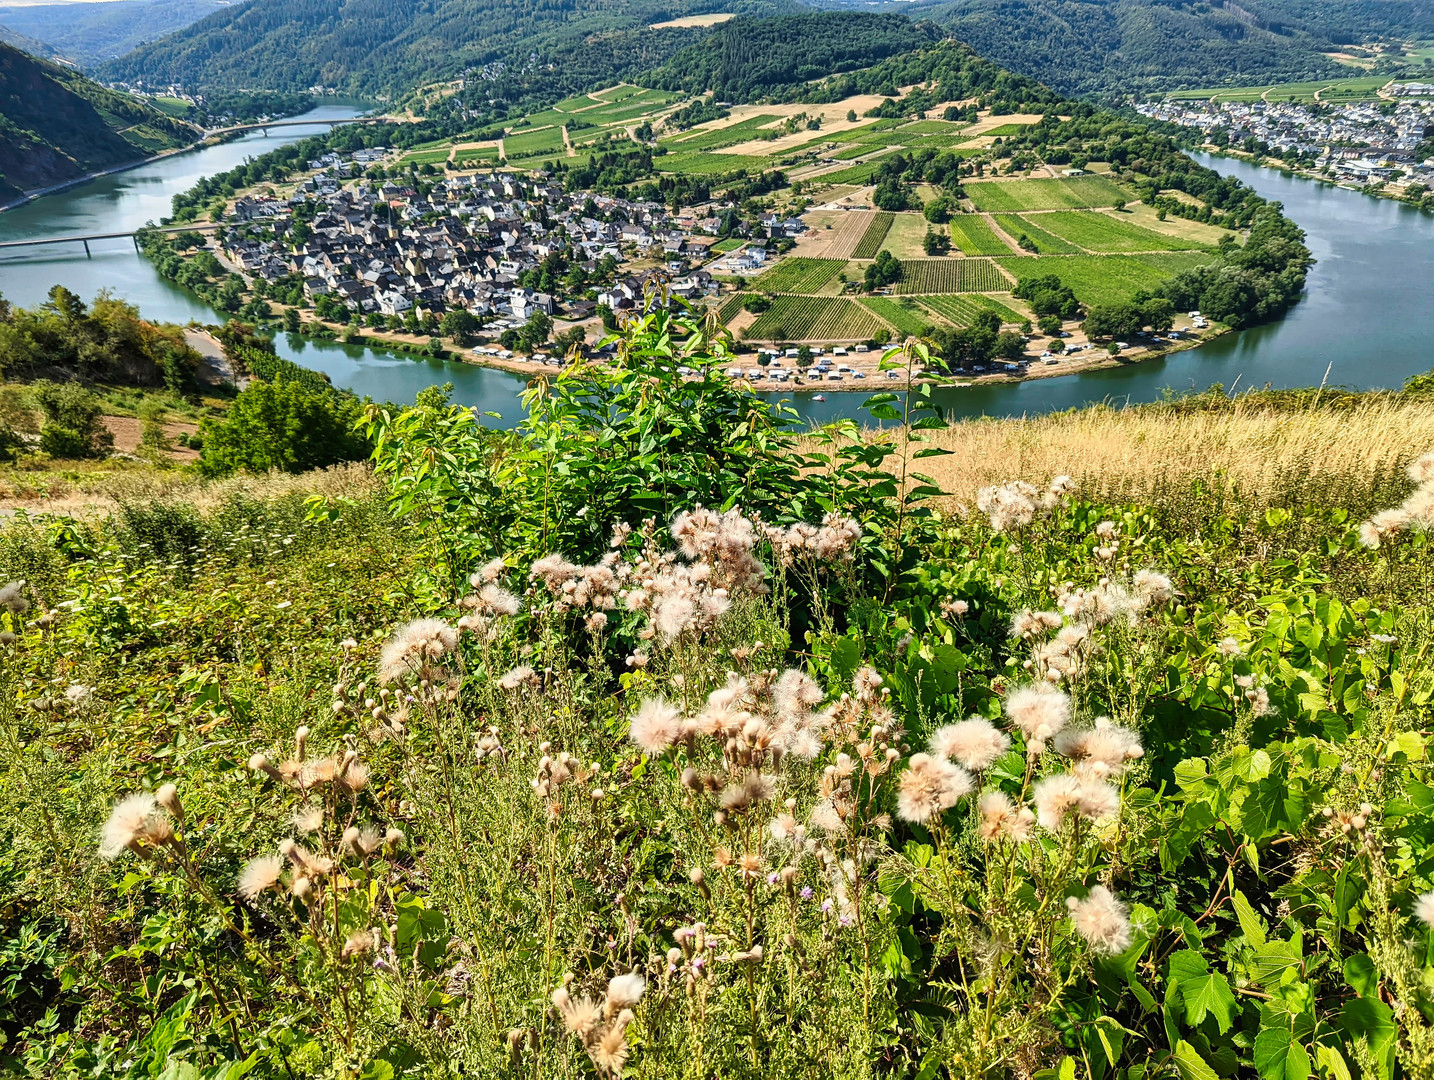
283, 426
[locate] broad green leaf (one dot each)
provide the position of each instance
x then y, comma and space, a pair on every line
1251, 925
1374, 1020
1279, 1057
1190, 1064
1204, 992
1361, 975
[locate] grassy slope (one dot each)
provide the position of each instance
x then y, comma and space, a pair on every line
56, 125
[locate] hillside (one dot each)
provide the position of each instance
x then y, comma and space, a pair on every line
1113, 46
363, 46
89, 34
57, 125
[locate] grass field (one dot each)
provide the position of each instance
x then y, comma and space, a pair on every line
710, 164
875, 234
814, 318
855, 174
906, 316
468, 158
732, 243
1102, 233
950, 276
1333, 90
1073, 193
1046, 244
531, 142
974, 236
855, 150
1005, 130
1105, 279
799, 275
713, 139
427, 157
962, 310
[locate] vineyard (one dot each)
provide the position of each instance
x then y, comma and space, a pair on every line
731, 306
875, 234
1076, 193
1046, 244
951, 276
799, 275
904, 315
974, 236
814, 318
1098, 232
712, 139
1105, 279
962, 310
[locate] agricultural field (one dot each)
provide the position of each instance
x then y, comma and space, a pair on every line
731, 306
426, 157
854, 150
962, 310
904, 315
707, 164
814, 318
854, 174
874, 236
951, 276
795, 274
1015, 226
974, 236
835, 233
1362, 88
526, 143
1103, 233
905, 240
1066, 193
717, 138
482, 155
1105, 279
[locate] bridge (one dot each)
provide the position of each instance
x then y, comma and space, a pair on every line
264, 127
86, 238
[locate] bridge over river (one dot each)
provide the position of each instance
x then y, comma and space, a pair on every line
87, 237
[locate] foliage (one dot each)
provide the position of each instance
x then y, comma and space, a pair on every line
884, 270
72, 426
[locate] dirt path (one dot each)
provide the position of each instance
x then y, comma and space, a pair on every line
217, 370
502, 153
568, 142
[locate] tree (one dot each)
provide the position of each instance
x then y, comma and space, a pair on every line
1057, 346
884, 270
851, 116
459, 325
292, 322
535, 331
892, 195
1158, 313
1047, 295
938, 210
1119, 205
936, 243
1049, 324
283, 426
804, 357
1113, 321
72, 420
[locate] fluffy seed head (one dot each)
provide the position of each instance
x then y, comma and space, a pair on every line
930, 786
258, 875
624, 991
973, 743
1424, 909
1039, 710
1101, 920
655, 726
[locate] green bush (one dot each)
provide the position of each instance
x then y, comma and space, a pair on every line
284, 426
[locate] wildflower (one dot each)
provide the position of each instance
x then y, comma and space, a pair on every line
498, 601
1001, 817
259, 875
1101, 750
1153, 588
1097, 801
1421, 470
954, 609
520, 676
1107, 530
930, 786
609, 1053
1101, 920
488, 573
13, 599
415, 645
358, 943
168, 797
554, 572
133, 825
1039, 711
754, 788
625, 991
1384, 525
973, 743
580, 1015
655, 726
1229, 647
78, 694
1055, 797
1424, 909
796, 692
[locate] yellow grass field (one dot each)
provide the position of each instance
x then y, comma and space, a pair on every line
1127, 451
690, 21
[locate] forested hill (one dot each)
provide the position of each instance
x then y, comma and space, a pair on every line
1094, 46
387, 46
89, 34
748, 58
57, 125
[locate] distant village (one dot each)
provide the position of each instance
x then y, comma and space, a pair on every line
476, 243
1357, 143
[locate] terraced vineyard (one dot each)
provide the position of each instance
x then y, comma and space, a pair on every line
908, 320
974, 236
730, 307
799, 275
1073, 193
1101, 233
715, 138
951, 276
814, 318
1105, 279
962, 310
711, 164
1015, 226
871, 240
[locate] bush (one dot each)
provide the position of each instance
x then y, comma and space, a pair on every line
284, 426
72, 420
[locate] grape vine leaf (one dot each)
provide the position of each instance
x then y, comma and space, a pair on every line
1204, 992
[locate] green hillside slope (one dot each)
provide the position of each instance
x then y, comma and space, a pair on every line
372, 46
89, 34
57, 125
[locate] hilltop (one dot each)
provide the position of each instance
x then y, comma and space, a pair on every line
89, 34
57, 125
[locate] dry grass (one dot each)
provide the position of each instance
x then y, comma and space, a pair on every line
1124, 452
104, 489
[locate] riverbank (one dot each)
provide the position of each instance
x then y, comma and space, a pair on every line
1278, 165
89, 178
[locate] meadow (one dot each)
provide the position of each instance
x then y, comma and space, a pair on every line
1088, 746
1103, 233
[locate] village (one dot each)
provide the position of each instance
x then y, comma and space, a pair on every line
1354, 143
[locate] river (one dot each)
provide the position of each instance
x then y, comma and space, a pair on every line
1367, 316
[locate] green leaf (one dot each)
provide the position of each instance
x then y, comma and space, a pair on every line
1279, 1057
1359, 972
1251, 925
1205, 992
1190, 1064
1374, 1020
